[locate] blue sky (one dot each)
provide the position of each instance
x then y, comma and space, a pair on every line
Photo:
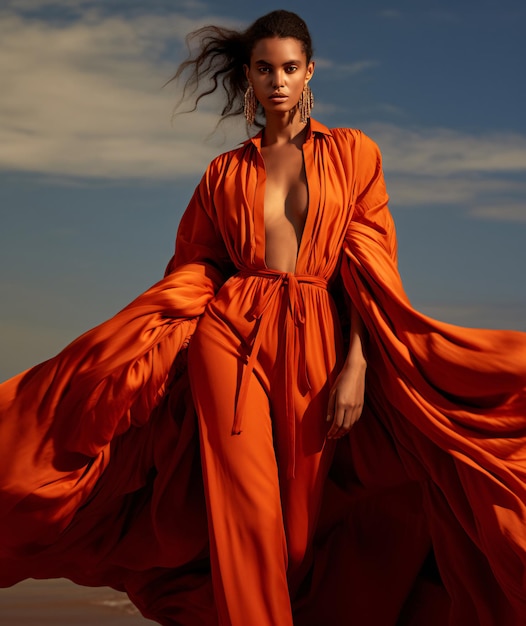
94, 174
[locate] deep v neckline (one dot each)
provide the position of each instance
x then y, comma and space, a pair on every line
259, 209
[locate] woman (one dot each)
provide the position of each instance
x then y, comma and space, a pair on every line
285, 254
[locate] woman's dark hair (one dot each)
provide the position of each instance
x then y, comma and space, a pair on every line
222, 53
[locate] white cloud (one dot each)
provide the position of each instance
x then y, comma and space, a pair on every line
439, 152
505, 212
349, 69
423, 13
389, 14
83, 98
446, 167
414, 190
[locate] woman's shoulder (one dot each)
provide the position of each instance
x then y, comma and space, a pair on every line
354, 147
354, 138
220, 163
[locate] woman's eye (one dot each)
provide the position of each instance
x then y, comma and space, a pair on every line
291, 68
263, 70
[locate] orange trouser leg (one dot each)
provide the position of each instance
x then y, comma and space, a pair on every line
301, 496
247, 539
261, 521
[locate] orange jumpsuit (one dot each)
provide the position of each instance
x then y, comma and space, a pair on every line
100, 467
261, 364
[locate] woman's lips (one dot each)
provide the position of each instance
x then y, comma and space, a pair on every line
278, 98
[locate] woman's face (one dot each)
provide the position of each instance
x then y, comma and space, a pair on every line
278, 72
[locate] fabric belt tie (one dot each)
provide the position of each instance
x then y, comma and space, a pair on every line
294, 319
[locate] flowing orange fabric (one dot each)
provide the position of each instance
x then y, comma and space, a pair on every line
422, 516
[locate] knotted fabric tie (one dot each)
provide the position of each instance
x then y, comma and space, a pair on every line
290, 285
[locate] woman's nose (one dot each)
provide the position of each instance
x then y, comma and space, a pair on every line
278, 80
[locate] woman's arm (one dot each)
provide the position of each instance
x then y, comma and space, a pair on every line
371, 213
198, 241
347, 394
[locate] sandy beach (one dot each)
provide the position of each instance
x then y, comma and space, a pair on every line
62, 603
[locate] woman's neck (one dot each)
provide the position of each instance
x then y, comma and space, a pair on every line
283, 128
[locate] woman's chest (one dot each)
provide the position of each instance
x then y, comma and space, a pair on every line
314, 195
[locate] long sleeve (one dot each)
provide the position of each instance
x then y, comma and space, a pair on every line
198, 240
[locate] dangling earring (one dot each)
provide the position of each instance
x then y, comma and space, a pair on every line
305, 104
250, 105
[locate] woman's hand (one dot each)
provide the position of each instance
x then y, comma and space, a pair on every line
346, 399
348, 392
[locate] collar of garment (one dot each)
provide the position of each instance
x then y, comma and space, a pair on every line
313, 127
